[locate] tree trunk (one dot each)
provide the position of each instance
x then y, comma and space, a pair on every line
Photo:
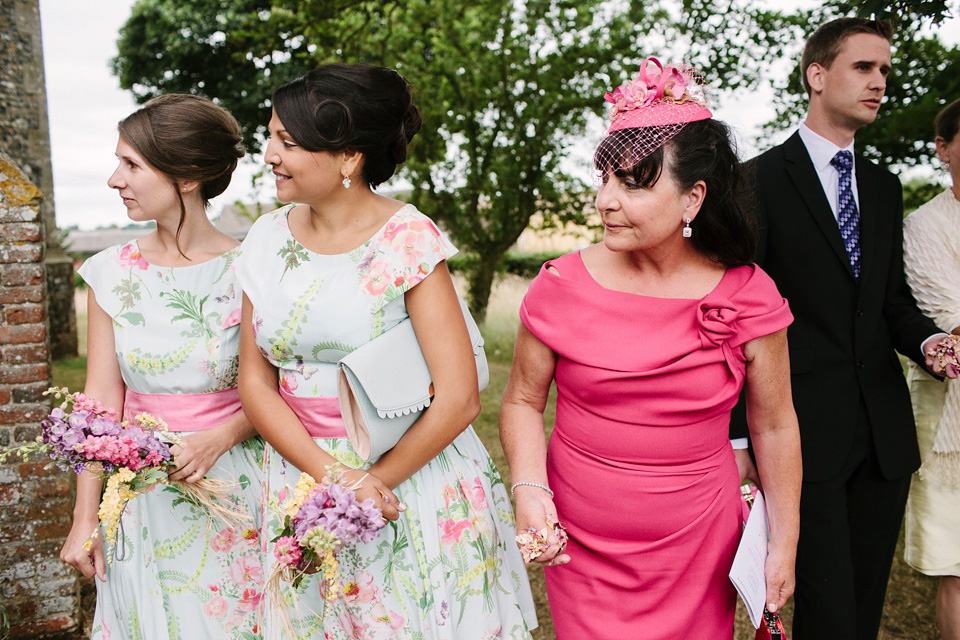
480, 280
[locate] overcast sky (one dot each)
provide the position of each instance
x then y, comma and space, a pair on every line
85, 103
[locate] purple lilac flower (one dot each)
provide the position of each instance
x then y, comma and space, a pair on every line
335, 508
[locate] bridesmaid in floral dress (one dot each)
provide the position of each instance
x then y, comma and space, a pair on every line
163, 331
323, 278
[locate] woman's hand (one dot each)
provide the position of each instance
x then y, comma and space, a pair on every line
198, 453
534, 509
781, 579
89, 563
366, 485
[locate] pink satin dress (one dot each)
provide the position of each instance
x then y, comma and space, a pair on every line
640, 460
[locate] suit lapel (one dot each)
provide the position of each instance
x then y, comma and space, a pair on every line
805, 178
868, 197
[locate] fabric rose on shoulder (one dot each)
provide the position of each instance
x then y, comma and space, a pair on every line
716, 322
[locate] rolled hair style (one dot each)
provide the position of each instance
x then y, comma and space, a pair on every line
352, 106
947, 122
824, 44
725, 230
186, 138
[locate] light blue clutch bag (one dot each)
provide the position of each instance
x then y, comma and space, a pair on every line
385, 384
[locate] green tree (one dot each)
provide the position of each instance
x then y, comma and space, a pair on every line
923, 81
505, 85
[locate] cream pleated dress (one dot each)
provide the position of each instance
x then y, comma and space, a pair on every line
931, 246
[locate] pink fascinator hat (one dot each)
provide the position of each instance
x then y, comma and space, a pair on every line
648, 111
658, 97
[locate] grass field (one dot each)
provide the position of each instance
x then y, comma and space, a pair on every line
909, 611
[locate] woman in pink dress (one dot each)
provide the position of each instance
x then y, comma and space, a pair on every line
650, 336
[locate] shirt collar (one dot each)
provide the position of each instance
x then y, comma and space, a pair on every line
820, 149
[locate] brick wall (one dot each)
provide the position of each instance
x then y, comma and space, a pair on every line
39, 592
25, 137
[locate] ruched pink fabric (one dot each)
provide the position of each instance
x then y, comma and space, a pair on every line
184, 411
640, 459
320, 414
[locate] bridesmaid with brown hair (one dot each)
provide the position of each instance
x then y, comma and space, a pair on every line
162, 336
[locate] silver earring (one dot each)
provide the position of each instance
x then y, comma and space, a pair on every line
346, 182
687, 231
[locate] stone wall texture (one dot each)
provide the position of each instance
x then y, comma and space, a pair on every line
39, 592
25, 137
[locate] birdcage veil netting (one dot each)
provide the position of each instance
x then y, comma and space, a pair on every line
647, 112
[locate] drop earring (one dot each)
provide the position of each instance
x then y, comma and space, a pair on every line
346, 182
687, 231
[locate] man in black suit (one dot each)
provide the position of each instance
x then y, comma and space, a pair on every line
830, 236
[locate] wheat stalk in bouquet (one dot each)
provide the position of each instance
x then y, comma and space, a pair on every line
132, 456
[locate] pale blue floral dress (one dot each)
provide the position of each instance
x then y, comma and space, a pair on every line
178, 574
449, 567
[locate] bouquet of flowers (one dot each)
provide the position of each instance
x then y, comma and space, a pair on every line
321, 520
83, 435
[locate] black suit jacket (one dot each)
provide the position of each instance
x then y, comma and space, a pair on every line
844, 334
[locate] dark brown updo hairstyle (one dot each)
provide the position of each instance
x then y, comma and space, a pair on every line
352, 106
186, 138
724, 229
947, 121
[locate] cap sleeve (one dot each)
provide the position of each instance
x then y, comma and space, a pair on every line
552, 296
253, 253
749, 307
104, 271
409, 249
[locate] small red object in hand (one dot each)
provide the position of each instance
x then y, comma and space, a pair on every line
771, 628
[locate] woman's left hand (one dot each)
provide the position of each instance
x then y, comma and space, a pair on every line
197, 454
781, 579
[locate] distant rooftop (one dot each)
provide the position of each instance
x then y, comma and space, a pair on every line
232, 221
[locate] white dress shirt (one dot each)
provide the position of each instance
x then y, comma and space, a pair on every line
821, 153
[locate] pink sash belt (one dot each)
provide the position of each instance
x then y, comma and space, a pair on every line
184, 411
320, 415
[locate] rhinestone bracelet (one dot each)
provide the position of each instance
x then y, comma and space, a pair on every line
530, 484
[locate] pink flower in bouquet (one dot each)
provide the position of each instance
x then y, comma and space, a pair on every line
91, 405
223, 540
216, 608
452, 530
246, 570
130, 257
287, 551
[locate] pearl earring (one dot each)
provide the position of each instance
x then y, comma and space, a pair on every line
687, 231
346, 182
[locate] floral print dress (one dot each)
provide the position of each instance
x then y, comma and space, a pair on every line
177, 574
449, 567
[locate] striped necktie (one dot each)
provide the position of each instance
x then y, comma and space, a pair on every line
848, 217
